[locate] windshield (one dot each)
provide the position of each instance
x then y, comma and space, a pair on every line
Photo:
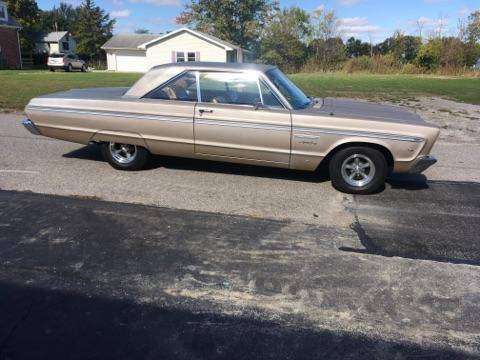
289, 90
57, 55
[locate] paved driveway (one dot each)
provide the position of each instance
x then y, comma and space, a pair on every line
308, 273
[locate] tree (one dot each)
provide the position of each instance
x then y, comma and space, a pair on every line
326, 45
473, 27
142, 31
63, 18
94, 27
26, 12
284, 37
355, 48
237, 21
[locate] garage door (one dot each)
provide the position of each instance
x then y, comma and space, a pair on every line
133, 61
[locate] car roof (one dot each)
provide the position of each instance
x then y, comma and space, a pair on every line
215, 66
162, 73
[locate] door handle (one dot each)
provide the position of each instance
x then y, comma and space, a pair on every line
201, 111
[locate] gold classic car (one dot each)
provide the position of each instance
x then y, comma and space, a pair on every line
240, 113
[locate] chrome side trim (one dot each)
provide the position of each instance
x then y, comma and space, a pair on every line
242, 124
359, 133
30, 126
170, 118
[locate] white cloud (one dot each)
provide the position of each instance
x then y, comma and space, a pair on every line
117, 2
356, 27
158, 2
349, 2
355, 21
320, 8
121, 13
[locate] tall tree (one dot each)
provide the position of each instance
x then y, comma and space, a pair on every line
26, 12
473, 27
61, 18
237, 21
326, 44
94, 27
356, 48
283, 40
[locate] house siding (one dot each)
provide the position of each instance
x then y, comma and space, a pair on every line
10, 50
161, 53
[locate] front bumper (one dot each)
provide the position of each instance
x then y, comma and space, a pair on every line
30, 126
422, 163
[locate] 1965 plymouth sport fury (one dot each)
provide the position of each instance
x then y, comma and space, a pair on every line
241, 113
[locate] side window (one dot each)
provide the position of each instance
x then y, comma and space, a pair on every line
229, 88
269, 98
183, 88
191, 56
180, 56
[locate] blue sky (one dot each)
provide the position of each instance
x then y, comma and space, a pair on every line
375, 19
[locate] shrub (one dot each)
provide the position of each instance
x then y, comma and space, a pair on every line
380, 64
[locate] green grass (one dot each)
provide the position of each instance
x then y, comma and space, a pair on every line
18, 87
389, 87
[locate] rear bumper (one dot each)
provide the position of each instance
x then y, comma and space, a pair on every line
30, 126
422, 163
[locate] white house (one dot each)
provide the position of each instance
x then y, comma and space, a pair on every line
140, 52
56, 42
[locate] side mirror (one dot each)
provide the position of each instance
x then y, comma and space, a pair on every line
259, 106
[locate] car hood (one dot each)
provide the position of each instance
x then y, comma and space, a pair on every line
349, 108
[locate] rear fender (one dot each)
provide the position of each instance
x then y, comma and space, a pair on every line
122, 137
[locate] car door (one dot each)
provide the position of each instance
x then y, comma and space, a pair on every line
167, 116
234, 120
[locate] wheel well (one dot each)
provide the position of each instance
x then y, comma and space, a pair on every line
388, 155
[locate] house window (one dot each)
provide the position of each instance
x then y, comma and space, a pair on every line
192, 56
3, 12
180, 56
66, 46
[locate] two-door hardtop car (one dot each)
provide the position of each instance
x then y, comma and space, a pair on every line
240, 113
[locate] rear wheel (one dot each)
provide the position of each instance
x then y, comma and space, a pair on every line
84, 69
358, 170
125, 156
69, 68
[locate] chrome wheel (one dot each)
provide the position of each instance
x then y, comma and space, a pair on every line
123, 153
358, 170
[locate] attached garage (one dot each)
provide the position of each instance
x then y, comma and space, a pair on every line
140, 52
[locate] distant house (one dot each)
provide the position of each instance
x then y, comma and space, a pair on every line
140, 52
10, 53
56, 42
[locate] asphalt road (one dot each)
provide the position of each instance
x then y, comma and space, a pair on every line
232, 261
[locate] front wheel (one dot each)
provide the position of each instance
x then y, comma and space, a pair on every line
84, 69
125, 156
358, 170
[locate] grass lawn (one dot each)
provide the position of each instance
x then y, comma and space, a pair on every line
389, 87
18, 87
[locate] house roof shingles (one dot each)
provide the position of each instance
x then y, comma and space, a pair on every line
128, 41
55, 36
135, 41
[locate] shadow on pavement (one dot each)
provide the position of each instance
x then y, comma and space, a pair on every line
92, 152
40, 323
440, 221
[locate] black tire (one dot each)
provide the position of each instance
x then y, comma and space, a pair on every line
52, 69
137, 163
69, 68
368, 180
84, 69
